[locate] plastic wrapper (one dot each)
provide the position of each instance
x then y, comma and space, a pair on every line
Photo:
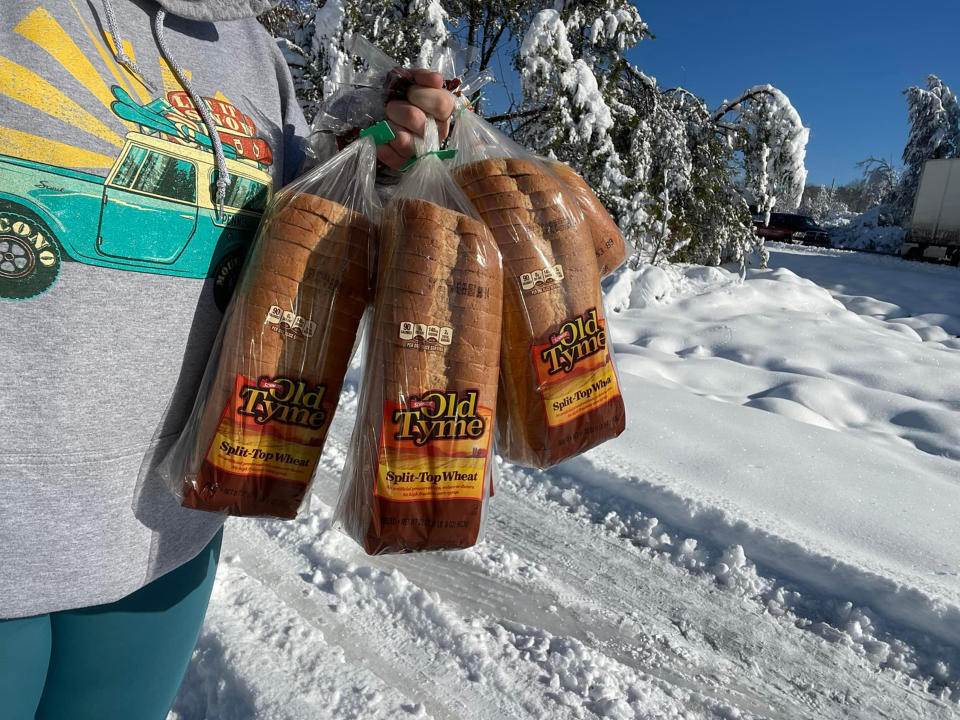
421, 461
272, 385
559, 392
608, 243
369, 81
358, 100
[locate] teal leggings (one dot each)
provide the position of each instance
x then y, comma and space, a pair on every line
124, 660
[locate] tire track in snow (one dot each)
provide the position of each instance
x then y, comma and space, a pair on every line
556, 572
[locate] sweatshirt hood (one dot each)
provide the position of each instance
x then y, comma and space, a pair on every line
217, 9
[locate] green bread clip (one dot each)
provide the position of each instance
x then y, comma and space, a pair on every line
442, 154
380, 132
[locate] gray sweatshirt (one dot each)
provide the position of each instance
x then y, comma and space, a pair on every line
114, 268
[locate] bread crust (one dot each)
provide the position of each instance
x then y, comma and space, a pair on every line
610, 249
438, 269
310, 260
545, 243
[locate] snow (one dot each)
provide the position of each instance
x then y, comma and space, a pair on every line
773, 140
580, 83
773, 536
328, 24
547, 34
872, 230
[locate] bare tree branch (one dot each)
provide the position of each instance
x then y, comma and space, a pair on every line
516, 115
730, 105
644, 79
488, 52
679, 91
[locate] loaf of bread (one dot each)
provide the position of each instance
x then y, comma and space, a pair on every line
608, 243
422, 451
285, 347
559, 395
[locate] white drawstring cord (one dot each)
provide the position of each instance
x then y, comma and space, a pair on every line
223, 176
121, 54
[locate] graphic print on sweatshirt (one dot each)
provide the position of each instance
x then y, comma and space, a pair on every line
153, 211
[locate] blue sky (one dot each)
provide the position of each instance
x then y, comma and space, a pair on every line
843, 64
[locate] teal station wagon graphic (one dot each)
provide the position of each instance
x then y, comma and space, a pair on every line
154, 210
152, 213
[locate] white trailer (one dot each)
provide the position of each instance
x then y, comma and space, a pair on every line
934, 232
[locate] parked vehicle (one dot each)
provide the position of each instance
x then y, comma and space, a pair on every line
934, 232
786, 227
152, 213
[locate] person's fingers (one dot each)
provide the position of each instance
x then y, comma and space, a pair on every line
403, 142
438, 103
388, 156
406, 116
443, 128
427, 78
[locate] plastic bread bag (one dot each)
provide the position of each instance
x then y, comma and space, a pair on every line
559, 392
366, 81
257, 430
420, 465
608, 243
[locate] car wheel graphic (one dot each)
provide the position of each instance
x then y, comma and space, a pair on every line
29, 257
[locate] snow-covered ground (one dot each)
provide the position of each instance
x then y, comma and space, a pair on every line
873, 230
775, 535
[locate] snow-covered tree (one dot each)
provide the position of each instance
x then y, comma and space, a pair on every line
292, 24
824, 203
934, 116
568, 68
314, 38
660, 161
765, 129
717, 217
654, 157
879, 183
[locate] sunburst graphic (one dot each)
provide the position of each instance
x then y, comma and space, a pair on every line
127, 103
22, 84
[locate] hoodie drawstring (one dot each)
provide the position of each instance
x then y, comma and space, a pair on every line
223, 175
118, 50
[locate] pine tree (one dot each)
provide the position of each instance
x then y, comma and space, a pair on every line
659, 160
934, 116
765, 129
314, 39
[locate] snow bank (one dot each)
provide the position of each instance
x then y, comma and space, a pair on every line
661, 284
922, 296
860, 425
873, 230
840, 515
774, 534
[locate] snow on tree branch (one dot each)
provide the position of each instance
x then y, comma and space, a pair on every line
934, 116
767, 131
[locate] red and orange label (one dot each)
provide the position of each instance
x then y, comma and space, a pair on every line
271, 428
434, 447
574, 371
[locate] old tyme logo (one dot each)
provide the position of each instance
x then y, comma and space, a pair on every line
437, 415
577, 339
283, 400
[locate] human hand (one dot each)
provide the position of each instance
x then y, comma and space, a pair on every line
426, 98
